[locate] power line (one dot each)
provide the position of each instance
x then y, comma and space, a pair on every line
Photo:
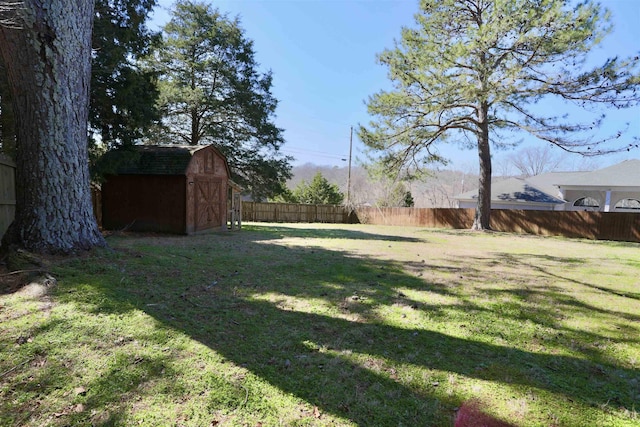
314, 153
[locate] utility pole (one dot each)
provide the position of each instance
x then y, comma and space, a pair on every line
349, 172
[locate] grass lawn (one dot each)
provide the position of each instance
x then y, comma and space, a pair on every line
327, 325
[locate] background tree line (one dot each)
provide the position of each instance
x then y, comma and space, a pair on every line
471, 72
435, 187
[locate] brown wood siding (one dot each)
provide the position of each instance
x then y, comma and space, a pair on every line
7, 194
207, 177
144, 203
210, 200
208, 162
168, 192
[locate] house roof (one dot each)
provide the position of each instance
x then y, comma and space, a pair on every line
548, 182
151, 159
545, 188
624, 174
515, 190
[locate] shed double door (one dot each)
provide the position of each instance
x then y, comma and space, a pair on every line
209, 203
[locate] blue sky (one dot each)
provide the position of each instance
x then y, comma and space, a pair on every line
323, 57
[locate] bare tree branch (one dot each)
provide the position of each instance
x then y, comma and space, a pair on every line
10, 14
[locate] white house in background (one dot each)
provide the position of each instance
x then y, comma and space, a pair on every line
612, 189
615, 188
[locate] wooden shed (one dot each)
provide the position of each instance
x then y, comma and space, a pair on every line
167, 188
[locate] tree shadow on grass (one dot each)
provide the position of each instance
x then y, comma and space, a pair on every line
337, 351
519, 261
474, 269
279, 231
350, 368
56, 382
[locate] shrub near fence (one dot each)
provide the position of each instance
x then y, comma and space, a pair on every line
7, 193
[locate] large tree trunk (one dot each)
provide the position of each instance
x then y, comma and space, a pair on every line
483, 210
47, 52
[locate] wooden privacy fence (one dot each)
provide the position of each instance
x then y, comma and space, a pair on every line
621, 226
293, 212
419, 217
7, 193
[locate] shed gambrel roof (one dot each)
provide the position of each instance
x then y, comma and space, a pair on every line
152, 159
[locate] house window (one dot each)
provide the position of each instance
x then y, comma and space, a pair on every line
587, 202
628, 204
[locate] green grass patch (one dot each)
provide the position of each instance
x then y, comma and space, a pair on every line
313, 325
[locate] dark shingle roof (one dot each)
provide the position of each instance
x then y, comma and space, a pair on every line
150, 160
514, 190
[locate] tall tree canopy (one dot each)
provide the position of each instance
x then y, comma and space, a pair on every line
46, 48
123, 96
473, 71
212, 93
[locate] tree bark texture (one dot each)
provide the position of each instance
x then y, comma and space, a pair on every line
7, 119
483, 210
48, 60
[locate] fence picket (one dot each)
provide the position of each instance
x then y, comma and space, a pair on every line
621, 226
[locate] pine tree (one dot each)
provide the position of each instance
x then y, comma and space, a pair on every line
472, 71
212, 93
318, 192
123, 94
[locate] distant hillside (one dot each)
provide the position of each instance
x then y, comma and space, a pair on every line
437, 190
440, 188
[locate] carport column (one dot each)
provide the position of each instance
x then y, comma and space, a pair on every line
607, 201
